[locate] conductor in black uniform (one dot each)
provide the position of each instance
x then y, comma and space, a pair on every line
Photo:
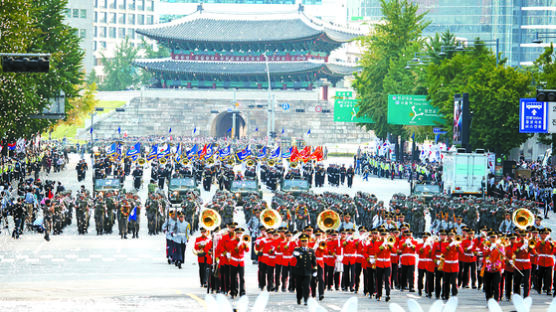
305, 268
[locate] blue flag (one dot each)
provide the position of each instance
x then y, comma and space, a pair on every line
244, 154
178, 153
276, 153
154, 152
164, 151
262, 153
256, 129
436, 137
112, 149
229, 130
309, 132
194, 130
282, 130
225, 152
170, 130
210, 151
91, 130
133, 214
192, 152
134, 151
413, 136
287, 154
119, 130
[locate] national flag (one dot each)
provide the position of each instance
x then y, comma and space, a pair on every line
119, 130
11, 146
133, 214
112, 149
20, 145
256, 129
210, 151
229, 130
308, 131
262, 153
276, 153
194, 130
154, 152
305, 154
170, 130
192, 152
91, 130
246, 152
282, 130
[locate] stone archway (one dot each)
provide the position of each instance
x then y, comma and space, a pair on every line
223, 122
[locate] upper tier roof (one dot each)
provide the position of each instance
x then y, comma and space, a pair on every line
203, 26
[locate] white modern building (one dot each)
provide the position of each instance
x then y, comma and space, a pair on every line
79, 14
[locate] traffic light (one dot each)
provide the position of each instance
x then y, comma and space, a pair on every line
546, 95
25, 63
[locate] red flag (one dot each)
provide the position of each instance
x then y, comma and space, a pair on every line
295, 154
203, 152
318, 155
305, 154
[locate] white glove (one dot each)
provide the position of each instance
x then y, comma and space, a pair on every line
296, 253
315, 274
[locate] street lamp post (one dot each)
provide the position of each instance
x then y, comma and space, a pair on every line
270, 112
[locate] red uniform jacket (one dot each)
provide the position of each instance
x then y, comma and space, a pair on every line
259, 246
545, 250
426, 257
370, 253
208, 251
269, 250
200, 243
451, 257
331, 252
522, 260
384, 254
360, 250
508, 251
239, 247
469, 247
493, 258
407, 247
349, 251
395, 258
319, 254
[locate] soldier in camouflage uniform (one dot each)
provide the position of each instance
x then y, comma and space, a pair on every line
100, 207
82, 213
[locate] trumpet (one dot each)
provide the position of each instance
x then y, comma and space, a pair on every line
322, 245
532, 243
458, 239
390, 240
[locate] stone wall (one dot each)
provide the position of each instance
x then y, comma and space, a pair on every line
155, 115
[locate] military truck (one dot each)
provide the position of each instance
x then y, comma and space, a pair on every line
179, 187
243, 188
107, 185
295, 186
425, 190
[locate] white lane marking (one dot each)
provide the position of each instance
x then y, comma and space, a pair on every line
45, 256
8, 260
58, 260
108, 259
83, 260
32, 261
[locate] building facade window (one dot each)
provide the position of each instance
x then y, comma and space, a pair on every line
75, 13
140, 5
121, 32
68, 12
150, 20
112, 4
121, 18
102, 3
95, 31
112, 18
103, 32
131, 33
140, 19
150, 5
112, 32
131, 19
83, 13
121, 5
82, 33
96, 17
131, 4
95, 46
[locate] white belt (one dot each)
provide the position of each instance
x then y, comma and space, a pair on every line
279, 254
543, 255
360, 256
408, 255
469, 255
522, 260
319, 259
451, 261
425, 260
271, 257
327, 256
236, 259
287, 257
349, 255
382, 259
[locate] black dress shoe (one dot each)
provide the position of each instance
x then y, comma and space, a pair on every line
305, 303
387, 298
321, 297
420, 292
411, 290
298, 301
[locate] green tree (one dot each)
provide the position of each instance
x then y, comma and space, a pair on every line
82, 105
119, 70
387, 51
544, 73
494, 93
36, 27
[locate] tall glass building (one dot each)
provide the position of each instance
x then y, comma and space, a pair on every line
513, 22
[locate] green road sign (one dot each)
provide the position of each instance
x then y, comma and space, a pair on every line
344, 94
346, 111
412, 110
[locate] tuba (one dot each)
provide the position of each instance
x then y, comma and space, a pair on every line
185, 161
162, 161
231, 161
271, 163
141, 161
210, 161
250, 163
293, 164
210, 219
270, 218
328, 220
522, 218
